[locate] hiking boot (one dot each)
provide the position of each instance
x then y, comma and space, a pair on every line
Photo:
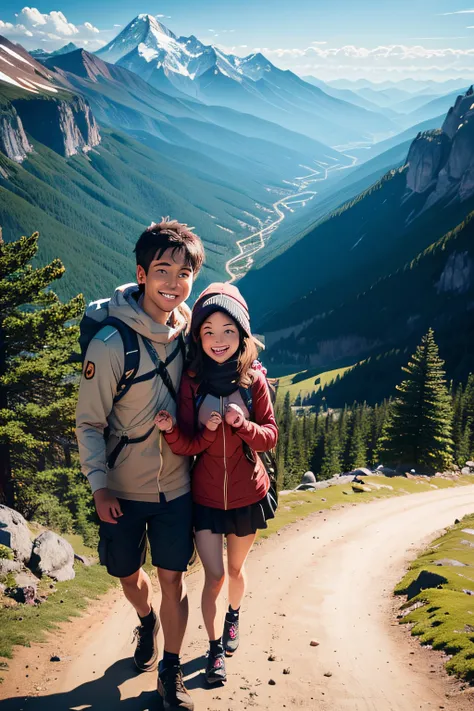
230, 638
172, 690
215, 668
146, 652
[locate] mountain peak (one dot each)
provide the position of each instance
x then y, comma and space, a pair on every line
142, 30
153, 25
81, 63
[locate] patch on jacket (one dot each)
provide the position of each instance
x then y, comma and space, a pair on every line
89, 370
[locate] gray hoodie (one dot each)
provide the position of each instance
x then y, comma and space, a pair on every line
145, 469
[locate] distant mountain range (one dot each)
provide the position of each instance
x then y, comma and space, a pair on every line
374, 275
44, 54
251, 84
95, 146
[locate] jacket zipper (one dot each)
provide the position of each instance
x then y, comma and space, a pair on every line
225, 458
160, 443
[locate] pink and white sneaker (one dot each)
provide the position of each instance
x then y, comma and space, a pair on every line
230, 638
215, 668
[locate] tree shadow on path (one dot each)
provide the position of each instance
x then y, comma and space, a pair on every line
103, 694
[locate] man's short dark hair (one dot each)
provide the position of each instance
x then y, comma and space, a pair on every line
169, 234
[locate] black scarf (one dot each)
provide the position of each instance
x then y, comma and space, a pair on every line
220, 379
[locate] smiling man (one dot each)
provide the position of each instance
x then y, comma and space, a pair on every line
141, 489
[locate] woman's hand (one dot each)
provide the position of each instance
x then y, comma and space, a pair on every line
214, 421
164, 421
234, 416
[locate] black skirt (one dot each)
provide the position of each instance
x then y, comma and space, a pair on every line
242, 521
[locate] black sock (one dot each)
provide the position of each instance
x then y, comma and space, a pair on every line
216, 647
232, 615
148, 619
169, 660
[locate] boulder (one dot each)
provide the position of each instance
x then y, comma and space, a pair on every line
25, 590
53, 556
308, 478
84, 559
15, 534
466, 471
362, 471
450, 561
386, 471
9, 566
361, 488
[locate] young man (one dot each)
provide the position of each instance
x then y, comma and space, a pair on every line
141, 489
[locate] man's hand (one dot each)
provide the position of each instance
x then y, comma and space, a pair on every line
107, 506
214, 421
164, 421
234, 416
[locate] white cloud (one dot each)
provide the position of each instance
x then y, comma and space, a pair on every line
9, 28
422, 39
159, 17
457, 12
49, 27
91, 28
117, 25
406, 60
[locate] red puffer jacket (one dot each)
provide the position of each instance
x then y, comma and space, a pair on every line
223, 476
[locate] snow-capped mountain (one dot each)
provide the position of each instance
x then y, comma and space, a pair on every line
185, 66
151, 50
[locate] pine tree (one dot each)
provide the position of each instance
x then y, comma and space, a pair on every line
468, 418
37, 381
295, 463
418, 431
358, 443
286, 420
331, 461
459, 425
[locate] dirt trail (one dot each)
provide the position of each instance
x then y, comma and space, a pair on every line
327, 579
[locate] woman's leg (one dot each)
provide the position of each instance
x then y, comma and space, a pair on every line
210, 548
238, 549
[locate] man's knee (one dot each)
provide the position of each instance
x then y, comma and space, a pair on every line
131, 581
171, 582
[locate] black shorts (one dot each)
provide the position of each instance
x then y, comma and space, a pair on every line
168, 526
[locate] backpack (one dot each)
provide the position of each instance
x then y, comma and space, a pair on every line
268, 458
97, 317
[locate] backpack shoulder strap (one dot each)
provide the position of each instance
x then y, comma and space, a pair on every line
131, 352
247, 397
160, 366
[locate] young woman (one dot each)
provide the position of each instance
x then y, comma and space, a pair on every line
225, 416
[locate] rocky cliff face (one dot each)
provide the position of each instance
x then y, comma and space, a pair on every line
457, 275
426, 157
67, 127
13, 140
441, 163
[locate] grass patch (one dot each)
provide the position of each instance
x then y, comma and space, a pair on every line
298, 383
24, 624
444, 616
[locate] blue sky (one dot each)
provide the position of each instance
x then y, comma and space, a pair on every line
328, 38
